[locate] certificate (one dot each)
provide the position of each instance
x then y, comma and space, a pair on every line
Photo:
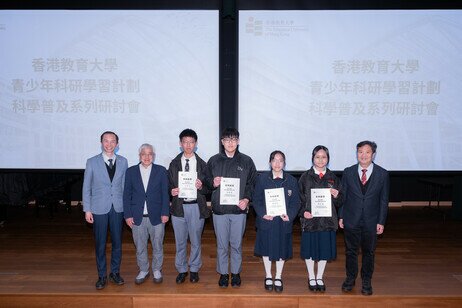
321, 202
187, 185
229, 191
275, 202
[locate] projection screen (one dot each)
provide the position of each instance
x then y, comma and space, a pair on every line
338, 77
67, 76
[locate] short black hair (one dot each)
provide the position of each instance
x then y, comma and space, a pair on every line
372, 144
109, 132
230, 132
274, 153
317, 149
188, 133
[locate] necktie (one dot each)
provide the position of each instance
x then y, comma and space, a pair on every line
321, 175
186, 167
110, 163
363, 177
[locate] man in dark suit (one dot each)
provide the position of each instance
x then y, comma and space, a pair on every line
103, 185
146, 210
363, 214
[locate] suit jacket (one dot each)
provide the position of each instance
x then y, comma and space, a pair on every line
177, 203
291, 195
98, 192
364, 210
156, 194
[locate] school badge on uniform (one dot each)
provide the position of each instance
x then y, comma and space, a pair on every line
289, 192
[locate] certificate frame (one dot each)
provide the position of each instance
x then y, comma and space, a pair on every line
321, 202
187, 185
275, 202
229, 191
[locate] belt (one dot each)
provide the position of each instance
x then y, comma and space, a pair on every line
190, 202
145, 215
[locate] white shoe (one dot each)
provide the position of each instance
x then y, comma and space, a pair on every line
141, 277
157, 277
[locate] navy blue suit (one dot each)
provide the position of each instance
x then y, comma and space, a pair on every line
363, 208
156, 195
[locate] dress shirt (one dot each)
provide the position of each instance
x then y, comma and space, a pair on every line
106, 158
368, 172
145, 174
192, 168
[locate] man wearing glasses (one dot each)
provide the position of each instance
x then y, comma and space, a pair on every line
229, 218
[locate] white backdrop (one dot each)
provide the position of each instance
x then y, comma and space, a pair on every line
338, 77
67, 76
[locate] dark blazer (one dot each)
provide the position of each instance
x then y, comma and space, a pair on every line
266, 181
177, 203
364, 210
156, 194
308, 180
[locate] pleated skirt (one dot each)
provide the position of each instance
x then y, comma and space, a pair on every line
319, 245
274, 243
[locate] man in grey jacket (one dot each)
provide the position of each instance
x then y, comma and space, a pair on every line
102, 194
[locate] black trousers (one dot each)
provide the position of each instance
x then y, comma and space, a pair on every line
114, 221
356, 238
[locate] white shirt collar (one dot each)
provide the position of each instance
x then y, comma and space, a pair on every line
106, 158
318, 172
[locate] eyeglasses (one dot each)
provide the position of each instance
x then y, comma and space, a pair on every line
227, 140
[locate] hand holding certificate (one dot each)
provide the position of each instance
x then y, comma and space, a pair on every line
275, 202
229, 191
321, 202
187, 185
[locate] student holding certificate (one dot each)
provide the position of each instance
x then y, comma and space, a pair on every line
318, 241
189, 206
231, 176
276, 203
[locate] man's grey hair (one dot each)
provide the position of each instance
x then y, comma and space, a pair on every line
146, 146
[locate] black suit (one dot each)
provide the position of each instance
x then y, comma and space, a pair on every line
364, 207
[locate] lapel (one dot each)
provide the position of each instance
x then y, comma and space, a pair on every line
373, 180
356, 181
151, 178
102, 166
139, 179
117, 171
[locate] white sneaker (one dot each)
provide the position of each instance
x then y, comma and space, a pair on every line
157, 277
141, 277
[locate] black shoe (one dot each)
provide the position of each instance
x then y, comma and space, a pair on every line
235, 280
101, 283
224, 280
367, 288
321, 287
116, 279
194, 277
310, 287
277, 288
181, 277
348, 285
268, 287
